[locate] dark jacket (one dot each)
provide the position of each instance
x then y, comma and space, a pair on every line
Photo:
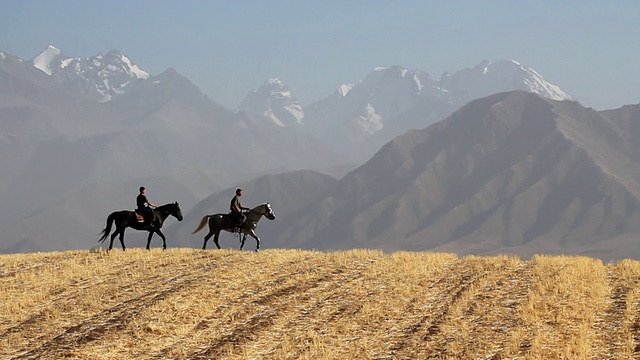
142, 202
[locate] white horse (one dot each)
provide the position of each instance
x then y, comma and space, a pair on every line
219, 222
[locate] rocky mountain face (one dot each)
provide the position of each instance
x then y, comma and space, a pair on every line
513, 172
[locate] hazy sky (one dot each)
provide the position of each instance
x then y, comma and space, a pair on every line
590, 49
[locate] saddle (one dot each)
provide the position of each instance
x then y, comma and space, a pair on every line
139, 216
237, 227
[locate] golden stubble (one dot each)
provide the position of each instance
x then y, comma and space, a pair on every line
294, 304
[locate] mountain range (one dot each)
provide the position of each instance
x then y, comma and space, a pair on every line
359, 118
473, 162
513, 172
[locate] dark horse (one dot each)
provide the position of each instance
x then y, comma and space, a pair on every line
220, 222
126, 218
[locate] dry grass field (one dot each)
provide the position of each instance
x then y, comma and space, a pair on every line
291, 304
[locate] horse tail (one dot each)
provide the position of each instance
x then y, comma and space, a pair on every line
107, 230
203, 222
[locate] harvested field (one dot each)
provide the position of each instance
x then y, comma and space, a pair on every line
293, 304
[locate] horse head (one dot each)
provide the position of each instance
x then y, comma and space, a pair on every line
177, 212
174, 210
269, 214
265, 210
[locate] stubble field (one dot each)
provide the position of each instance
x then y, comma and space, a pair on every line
293, 304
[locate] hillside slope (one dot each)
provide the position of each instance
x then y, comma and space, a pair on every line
291, 304
510, 173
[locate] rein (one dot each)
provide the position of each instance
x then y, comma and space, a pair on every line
257, 212
162, 210
166, 210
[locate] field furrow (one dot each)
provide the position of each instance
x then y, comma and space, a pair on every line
307, 317
423, 338
60, 294
118, 284
131, 317
261, 311
483, 322
560, 313
615, 323
109, 320
231, 290
14, 266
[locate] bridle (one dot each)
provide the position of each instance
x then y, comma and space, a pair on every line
170, 209
264, 213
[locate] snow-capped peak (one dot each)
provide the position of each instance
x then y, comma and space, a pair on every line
116, 58
274, 100
505, 75
486, 69
99, 77
274, 81
275, 87
537, 84
344, 89
45, 58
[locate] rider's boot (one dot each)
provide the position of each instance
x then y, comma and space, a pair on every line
149, 222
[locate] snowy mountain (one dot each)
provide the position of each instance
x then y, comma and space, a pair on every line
390, 101
489, 78
383, 94
100, 77
274, 100
386, 93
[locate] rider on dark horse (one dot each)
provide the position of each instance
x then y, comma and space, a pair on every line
145, 207
237, 216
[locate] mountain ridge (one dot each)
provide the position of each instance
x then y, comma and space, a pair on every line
509, 182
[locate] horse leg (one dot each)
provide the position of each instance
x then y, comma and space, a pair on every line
164, 239
149, 239
253, 235
215, 239
244, 238
206, 238
113, 236
121, 237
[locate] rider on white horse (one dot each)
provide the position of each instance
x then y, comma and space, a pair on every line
237, 215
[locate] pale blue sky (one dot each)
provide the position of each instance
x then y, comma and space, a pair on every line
591, 49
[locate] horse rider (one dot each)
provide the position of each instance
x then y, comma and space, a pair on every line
145, 207
237, 216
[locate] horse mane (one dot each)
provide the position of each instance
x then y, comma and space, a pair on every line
258, 206
173, 204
